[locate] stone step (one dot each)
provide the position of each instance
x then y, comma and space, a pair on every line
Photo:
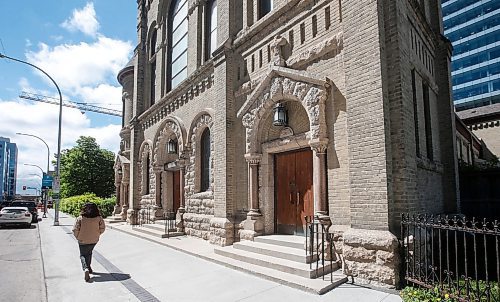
159, 227
156, 232
278, 251
283, 265
298, 242
114, 219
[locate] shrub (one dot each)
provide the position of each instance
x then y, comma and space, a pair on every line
413, 294
73, 205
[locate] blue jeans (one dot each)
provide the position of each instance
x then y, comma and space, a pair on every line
86, 254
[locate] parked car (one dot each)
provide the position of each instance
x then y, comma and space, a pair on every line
4, 204
31, 205
15, 216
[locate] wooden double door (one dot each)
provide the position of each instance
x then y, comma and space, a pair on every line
294, 199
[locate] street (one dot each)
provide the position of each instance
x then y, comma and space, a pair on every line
21, 265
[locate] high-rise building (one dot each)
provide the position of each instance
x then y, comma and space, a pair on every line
473, 26
8, 168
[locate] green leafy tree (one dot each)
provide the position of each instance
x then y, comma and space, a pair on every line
86, 168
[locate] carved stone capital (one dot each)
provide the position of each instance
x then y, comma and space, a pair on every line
253, 158
319, 146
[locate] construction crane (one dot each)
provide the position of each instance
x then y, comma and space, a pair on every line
80, 106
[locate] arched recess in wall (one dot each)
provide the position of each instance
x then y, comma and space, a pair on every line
201, 143
145, 166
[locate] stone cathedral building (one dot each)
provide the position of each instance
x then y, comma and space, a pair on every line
244, 116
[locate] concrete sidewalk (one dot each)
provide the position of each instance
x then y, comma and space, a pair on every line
134, 269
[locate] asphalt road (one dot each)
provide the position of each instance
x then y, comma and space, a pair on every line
21, 266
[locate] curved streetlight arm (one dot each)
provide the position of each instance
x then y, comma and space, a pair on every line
32, 165
60, 104
58, 160
48, 150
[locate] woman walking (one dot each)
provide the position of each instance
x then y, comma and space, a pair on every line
87, 229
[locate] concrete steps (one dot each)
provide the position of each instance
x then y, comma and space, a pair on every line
113, 219
157, 229
285, 254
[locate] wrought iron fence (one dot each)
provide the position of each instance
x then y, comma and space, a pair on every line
319, 246
170, 226
455, 255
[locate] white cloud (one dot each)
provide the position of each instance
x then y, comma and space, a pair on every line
83, 20
41, 119
76, 65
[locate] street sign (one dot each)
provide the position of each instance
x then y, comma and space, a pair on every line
47, 181
55, 196
56, 185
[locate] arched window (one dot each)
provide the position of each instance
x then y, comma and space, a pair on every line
211, 28
177, 43
205, 160
152, 66
265, 6
146, 171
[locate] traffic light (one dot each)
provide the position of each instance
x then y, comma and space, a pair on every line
24, 188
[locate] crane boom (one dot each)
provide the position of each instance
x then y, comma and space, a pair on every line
80, 106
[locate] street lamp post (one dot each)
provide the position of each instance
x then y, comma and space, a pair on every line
32, 165
48, 150
58, 168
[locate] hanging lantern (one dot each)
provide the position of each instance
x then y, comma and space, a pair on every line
280, 115
171, 146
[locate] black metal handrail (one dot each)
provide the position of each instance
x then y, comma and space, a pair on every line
169, 217
319, 245
456, 255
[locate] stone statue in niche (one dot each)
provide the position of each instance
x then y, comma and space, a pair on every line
277, 58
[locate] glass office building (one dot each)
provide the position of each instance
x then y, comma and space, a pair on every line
473, 26
8, 168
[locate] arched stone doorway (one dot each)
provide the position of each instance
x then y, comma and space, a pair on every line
169, 168
300, 147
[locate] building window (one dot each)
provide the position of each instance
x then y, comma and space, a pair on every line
211, 28
415, 112
145, 175
177, 43
427, 119
265, 6
152, 66
205, 160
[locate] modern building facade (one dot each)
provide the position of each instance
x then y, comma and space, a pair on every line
473, 26
244, 116
8, 168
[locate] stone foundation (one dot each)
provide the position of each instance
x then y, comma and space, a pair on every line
197, 225
221, 231
371, 257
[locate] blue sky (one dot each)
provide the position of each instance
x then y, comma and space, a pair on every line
82, 45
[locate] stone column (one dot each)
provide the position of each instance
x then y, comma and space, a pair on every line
253, 161
118, 207
179, 218
158, 208
319, 178
125, 200
254, 224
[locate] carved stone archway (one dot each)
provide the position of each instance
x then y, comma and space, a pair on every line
171, 128
284, 84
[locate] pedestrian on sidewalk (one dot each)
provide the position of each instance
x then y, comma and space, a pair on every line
87, 229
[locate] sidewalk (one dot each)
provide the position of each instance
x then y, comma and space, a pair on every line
134, 269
